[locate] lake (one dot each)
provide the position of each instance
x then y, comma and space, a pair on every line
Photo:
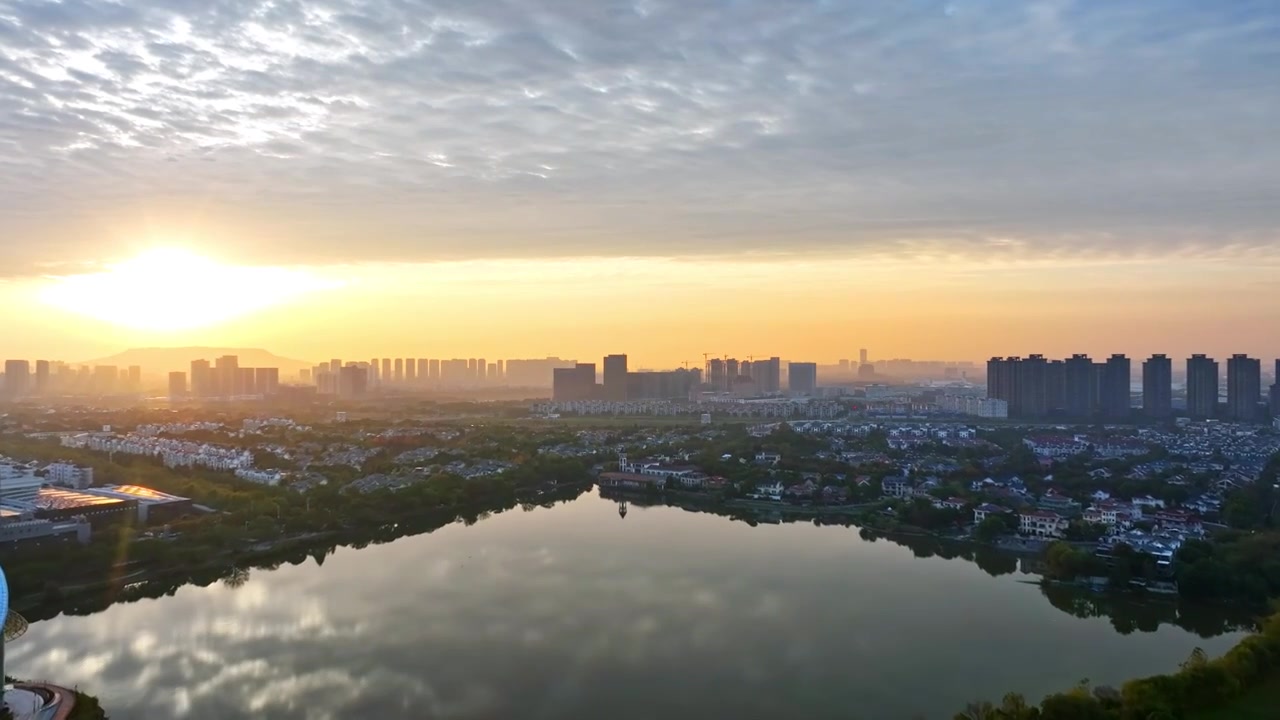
575, 613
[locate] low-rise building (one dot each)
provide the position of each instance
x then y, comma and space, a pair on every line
631, 481
262, 477
896, 486
768, 491
1042, 523
36, 531
153, 506
69, 475
986, 510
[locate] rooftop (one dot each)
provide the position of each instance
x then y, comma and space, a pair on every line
135, 492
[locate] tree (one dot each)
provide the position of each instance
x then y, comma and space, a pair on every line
1015, 707
1075, 705
990, 529
978, 711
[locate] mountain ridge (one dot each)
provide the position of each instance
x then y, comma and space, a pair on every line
168, 359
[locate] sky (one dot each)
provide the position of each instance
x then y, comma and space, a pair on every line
505, 178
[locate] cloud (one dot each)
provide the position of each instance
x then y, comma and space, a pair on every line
401, 130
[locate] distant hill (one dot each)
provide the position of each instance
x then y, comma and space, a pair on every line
162, 360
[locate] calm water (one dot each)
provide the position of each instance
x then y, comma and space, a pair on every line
574, 613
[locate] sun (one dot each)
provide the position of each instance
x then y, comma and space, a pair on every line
170, 289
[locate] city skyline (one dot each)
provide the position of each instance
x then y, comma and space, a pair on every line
849, 361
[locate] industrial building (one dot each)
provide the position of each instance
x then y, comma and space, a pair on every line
153, 506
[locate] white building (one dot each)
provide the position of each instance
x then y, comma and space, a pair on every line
262, 477
986, 510
18, 482
990, 408
896, 486
1042, 523
69, 475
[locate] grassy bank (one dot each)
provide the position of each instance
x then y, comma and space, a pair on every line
1259, 703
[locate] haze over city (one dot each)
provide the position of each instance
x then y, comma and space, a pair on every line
680, 359
936, 180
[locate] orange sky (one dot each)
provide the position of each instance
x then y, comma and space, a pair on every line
660, 311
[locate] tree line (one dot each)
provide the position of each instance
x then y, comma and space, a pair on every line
1200, 685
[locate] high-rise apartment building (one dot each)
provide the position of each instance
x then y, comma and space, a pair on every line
386, 370
502, 370
663, 385
17, 378
862, 356
1056, 386
266, 381
398, 373
246, 381
615, 377
768, 374
410, 371
716, 376
1114, 390
732, 369
1275, 392
575, 383
1202, 387
481, 370
226, 370
434, 374
1000, 379
105, 379
353, 381
802, 378
1032, 375
1157, 387
202, 379
42, 377
454, 372
1244, 387
177, 385
1081, 387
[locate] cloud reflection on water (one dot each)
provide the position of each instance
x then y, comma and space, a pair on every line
678, 615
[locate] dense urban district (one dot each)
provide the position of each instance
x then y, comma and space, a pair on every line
1147, 518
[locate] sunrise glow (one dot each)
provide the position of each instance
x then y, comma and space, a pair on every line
168, 289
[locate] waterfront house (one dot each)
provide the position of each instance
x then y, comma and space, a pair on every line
986, 510
1042, 523
631, 481
895, 486
768, 491
835, 495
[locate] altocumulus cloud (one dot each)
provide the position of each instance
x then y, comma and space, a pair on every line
564, 127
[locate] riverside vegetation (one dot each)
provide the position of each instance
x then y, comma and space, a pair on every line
1242, 682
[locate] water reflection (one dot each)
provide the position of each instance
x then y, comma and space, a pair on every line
1128, 612
573, 612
